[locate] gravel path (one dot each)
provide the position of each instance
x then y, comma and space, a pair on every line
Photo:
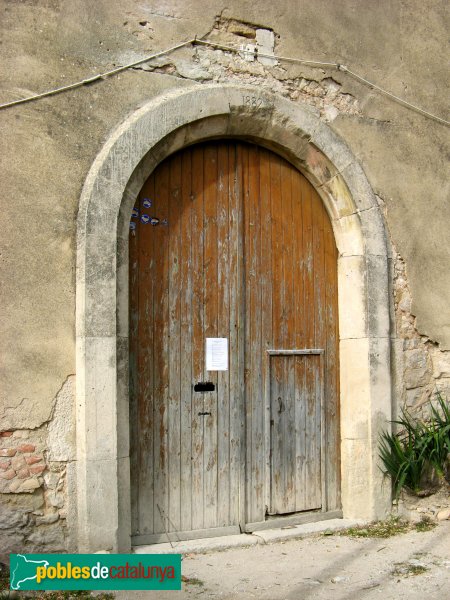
411, 566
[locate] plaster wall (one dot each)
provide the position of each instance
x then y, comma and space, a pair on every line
48, 147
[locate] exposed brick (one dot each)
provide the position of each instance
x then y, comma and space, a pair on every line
4, 465
27, 448
34, 458
8, 474
37, 469
23, 473
6, 433
7, 451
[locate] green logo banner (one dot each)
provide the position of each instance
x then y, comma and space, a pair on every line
95, 572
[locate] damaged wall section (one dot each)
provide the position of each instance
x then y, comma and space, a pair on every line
425, 368
37, 479
299, 84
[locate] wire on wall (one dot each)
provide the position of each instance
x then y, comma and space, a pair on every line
94, 78
195, 41
338, 66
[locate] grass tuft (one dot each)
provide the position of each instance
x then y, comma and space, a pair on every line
426, 524
379, 529
408, 569
384, 529
192, 580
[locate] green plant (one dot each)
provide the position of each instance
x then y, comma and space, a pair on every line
192, 580
380, 529
391, 526
403, 456
407, 569
425, 524
417, 448
439, 435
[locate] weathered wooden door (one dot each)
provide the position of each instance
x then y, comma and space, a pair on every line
228, 240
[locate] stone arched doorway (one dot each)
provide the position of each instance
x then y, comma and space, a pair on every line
165, 125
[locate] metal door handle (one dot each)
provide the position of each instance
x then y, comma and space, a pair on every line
203, 414
280, 405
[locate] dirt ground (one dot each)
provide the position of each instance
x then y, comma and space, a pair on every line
410, 566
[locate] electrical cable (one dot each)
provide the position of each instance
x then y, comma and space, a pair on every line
257, 53
195, 41
337, 66
94, 78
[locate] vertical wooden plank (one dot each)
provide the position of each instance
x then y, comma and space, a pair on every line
318, 213
309, 299
236, 354
308, 264
257, 345
319, 487
210, 299
289, 461
288, 315
198, 342
146, 399
320, 385
265, 277
226, 294
299, 327
291, 446
254, 356
186, 271
314, 410
247, 241
287, 417
133, 366
248, 270
161, 349
300, 428
174, 413
298, 259
279, 333
275, 474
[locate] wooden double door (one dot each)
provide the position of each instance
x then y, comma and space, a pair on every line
228, 240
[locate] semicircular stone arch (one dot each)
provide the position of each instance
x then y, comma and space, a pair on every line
163, 126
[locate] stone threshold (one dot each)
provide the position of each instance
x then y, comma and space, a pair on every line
267, 536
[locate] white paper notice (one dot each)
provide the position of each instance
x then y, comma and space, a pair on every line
216, 354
